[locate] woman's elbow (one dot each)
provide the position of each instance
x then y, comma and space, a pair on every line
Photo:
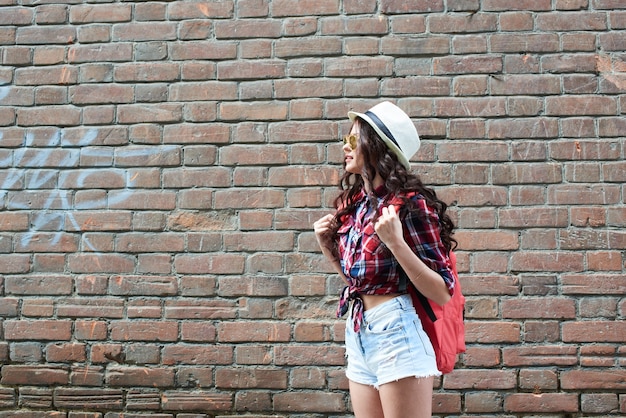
443, 299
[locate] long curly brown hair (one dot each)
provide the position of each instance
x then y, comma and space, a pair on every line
378, 158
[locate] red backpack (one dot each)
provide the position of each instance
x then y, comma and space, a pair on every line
443, 324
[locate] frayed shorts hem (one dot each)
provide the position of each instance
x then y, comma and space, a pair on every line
379, 384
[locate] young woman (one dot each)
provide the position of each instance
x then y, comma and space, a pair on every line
388, 228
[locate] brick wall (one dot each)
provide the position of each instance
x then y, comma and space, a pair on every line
162, 163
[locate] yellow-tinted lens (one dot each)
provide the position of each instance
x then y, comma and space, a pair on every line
350, 140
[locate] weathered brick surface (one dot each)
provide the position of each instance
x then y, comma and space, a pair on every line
162, 163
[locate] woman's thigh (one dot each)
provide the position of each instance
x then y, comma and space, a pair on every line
365, 401
408, 397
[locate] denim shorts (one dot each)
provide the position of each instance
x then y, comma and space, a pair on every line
391, 345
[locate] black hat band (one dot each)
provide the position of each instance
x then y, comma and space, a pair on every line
380, 125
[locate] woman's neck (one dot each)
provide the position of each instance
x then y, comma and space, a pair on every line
376, 183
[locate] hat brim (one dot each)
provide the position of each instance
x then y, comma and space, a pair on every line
393, 147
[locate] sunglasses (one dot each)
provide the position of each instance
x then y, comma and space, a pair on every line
351, 140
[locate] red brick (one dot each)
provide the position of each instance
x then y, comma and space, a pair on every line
144, 309
543, 402
50, 115
571, 21
308, 378
309, 355
592, 379
143, 285
247, 28
100, 13
69, 352
90, 307
604, 260
38, 285
283, 8
550, 355
539, 239
408, 24
144, 330
533, 42
490, 332
197, 354
196, 401
201, 50
56, 75
526, 218
354, 26
432, 45
41, 35
580, 105
257, 286
34, 375
253, 8
309, 401
253, 331
582, 194
261, 198
466, 107
197, 332
466, 23
304, 88
257, 378
590, 284
541, 331
16, 16
594, 331
533, 379
100, 263
550, 308
254, 155
88, 398
224, 264
184, 11
96, 53
416, 86
401, 7
147, 243
155, 113
480, 379
599, 403
484, 401
253, 111
144, 31
134, 376
45, 329
198, 309
540, 261
191, 91
487, 240
90, 330
358, 66
516, 21
258, 69
506, 5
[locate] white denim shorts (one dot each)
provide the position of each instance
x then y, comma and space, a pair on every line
391, 345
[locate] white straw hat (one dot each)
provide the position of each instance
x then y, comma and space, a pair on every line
394, 127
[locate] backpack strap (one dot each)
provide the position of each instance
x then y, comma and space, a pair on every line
404, 283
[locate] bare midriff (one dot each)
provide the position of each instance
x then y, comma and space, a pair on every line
370, 301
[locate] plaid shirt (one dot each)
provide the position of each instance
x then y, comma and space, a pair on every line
370, 267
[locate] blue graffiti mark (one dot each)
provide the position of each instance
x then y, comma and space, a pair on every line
35, 168
4, 91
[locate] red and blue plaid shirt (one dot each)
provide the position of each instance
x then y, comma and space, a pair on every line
370, 267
